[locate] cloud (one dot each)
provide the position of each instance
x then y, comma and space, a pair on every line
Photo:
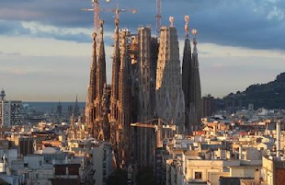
218, 21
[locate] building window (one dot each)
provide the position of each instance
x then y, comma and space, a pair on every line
198, 175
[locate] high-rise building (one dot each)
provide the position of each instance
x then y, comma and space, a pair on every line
59, 109
170, 105
11, 112
208, 106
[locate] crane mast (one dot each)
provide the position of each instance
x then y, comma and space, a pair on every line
96, 16
158, 17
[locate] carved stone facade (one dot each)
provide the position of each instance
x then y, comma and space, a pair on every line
169, 95
146, 96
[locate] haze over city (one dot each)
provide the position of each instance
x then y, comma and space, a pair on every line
46, 45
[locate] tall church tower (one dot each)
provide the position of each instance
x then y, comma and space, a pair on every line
186, 73
191, 82
101, 82
195, 105
169, 95
90, 108
94, 109
115, 83
123, 132
146, 96
144, 74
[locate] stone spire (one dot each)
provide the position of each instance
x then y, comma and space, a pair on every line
100, 82
124, 141
92, 82
115, 74
101, 69
89, 111
195, 106
186, 72
123, 76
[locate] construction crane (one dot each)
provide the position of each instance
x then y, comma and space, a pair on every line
118, 10
158, 17
158, 128
96, 10
115, 10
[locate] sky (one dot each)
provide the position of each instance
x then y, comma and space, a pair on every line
45, 45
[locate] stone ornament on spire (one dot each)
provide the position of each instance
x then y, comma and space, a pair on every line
195, 32
117, 22
94, 35
101, 26
186, 28
171, 20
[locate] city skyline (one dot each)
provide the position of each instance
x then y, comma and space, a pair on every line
45, 49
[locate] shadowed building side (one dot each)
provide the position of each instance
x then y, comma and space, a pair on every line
195, 106
186, 72
145, 97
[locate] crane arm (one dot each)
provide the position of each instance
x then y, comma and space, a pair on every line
144, 125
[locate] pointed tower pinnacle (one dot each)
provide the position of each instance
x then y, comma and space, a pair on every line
115, 73
187, 72
101, 70
92, 83
194, 32
89, 111
195, 107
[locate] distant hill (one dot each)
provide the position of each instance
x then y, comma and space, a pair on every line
270, 95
